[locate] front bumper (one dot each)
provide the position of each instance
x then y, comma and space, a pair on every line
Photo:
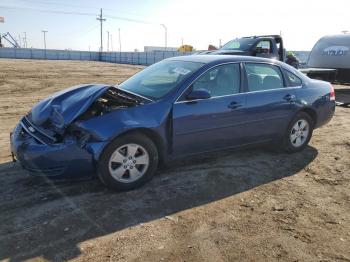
66, 160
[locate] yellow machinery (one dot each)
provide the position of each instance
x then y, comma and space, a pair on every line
185, 48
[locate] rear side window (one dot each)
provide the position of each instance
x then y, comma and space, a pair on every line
292, 79
263, 77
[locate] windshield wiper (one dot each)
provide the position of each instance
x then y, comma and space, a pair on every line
125, 95
132, 95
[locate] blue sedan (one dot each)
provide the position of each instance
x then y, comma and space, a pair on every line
175, 108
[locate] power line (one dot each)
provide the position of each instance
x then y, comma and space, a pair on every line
47, 11
130, 20
100, 18
80, 7
75, 13
59, 4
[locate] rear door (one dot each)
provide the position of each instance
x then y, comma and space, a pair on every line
213, 123
270, 102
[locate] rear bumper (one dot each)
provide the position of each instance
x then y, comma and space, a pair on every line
325, 114
65, 160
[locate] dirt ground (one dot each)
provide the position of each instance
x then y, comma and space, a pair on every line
250, 205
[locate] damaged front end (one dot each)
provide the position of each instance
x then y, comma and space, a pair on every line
47, 142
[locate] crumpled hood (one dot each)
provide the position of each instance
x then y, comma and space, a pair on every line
63, 107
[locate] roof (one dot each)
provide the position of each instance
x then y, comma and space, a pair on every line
263, 36
220, 58
337, 37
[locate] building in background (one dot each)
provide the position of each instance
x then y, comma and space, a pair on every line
159, 48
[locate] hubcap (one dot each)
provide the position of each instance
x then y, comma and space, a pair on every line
128, 163
299, 133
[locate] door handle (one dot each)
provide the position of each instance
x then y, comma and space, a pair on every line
234, 105
289, 98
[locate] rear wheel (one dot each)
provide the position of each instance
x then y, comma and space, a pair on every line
298, 133
128, 162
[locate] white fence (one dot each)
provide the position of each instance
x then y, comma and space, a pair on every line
135, 58
29, 53
138, 58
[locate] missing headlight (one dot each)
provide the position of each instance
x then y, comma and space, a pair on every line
81, 136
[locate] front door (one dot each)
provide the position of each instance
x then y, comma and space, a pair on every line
213, 123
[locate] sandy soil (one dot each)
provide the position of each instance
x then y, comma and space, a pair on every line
251, 205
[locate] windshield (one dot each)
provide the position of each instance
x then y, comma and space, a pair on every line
159, 79
242, 44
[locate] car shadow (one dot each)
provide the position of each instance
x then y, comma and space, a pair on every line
40, 218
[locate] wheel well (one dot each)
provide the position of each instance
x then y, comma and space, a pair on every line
311, 113
157, 140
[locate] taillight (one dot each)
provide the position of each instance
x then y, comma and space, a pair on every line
332, 94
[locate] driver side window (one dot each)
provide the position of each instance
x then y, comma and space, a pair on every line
264, 46
220, 80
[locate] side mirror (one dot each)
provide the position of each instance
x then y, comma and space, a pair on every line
198, 94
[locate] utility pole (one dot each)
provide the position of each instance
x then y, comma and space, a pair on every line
19, 39
2, 20
111, 42
166, 35
101, 19
25, 40
44, 31
120, 41
107, 41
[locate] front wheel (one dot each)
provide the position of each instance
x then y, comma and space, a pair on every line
298, 133
128, 162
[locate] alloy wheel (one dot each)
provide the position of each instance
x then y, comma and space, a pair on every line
128, 163
299, 133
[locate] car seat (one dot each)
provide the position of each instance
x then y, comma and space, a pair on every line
272, 82
254, 82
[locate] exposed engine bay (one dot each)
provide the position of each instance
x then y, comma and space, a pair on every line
111, 100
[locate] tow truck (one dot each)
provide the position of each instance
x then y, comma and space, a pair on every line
267, 46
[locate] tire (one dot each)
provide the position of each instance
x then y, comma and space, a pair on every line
297, 136
118, 166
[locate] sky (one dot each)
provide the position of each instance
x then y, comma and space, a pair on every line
72, 24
